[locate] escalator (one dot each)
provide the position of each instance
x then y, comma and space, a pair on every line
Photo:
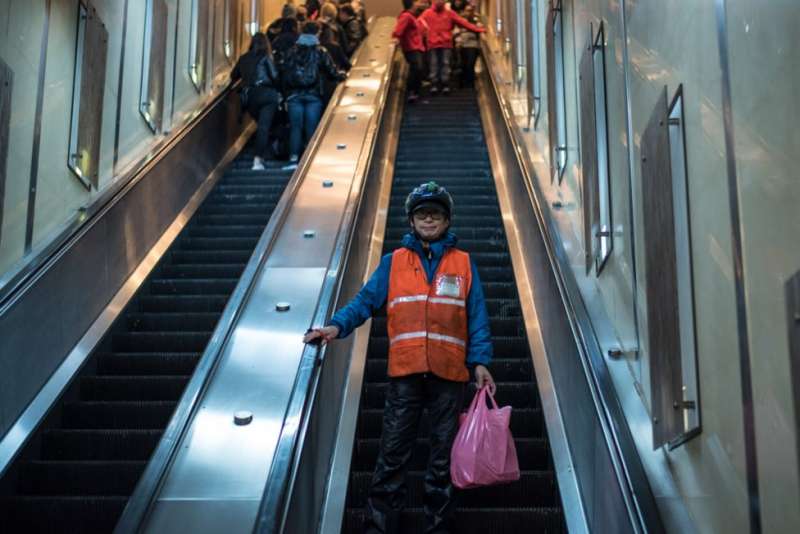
78, 471
443, 140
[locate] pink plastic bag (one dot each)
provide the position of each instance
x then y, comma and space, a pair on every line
483, 452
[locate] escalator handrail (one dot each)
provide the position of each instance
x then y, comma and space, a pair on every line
141, 500
275, 499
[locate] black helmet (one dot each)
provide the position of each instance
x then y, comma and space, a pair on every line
429, 194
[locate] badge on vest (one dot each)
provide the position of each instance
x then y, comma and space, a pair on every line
449, 285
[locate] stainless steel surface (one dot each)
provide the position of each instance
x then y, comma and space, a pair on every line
234, 368
371, 227
613, 487
34, 413
37, 136
311, 384
6, 90
743, 332
517, 225
71, 283
118, 111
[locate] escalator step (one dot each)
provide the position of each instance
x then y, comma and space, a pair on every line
533, 454
232, 230
141, 388
160, 341
99, 444
210, 256
219, 271
517, 394
147, 363
534, 488
117, 414
199, 286
525, 423
218, 243
171, 322
80, 478
475, 520
182, 303
49, 514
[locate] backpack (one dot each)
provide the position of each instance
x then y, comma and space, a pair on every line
301, 68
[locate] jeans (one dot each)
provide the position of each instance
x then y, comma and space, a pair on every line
415, 70
406, 397
304, 114
261, 105
439, 65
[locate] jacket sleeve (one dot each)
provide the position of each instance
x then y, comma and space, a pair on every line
479, 348
328, 66
400, 27
464, 23
370, 299
236, 73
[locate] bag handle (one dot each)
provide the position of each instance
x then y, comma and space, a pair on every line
485, 390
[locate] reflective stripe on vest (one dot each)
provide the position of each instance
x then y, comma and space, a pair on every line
427, 322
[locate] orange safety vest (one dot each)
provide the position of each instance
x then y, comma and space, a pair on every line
427, 323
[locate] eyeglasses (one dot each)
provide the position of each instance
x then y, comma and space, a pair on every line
421, 215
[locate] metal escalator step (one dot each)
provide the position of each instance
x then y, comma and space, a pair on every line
219, 270
475, 520
218, 243
182, 303
241, 230
241, 209
80, 478
105, 444
132, 388
160, 341
506, 327
117, 414
516, 394
525, 423
50, 514
223, 197
503, 369
198, 286
534, 488
171, 322
210, 256
147, 363
533, 454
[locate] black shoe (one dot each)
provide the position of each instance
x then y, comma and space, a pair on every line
446, 90
434, 89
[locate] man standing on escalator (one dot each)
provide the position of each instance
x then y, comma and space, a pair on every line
438, 331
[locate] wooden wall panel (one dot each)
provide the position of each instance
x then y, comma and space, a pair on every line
93, 79
662, 280
589, 176
6, 90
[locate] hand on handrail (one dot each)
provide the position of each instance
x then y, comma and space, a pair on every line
323, 335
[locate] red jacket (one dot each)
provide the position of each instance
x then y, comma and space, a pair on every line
440, 26
408, 33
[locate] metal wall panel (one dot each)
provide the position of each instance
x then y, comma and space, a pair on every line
157, 63
792, 290
93, 80
6, 90
40, 328
661, 278
552, 125
588, 154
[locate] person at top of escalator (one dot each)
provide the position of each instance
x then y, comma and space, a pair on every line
440, 22
409, 35
438, 331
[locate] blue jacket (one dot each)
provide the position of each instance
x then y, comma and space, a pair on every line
375, 292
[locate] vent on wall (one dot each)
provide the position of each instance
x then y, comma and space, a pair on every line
669, 281
151, 103
596, 185
87, 96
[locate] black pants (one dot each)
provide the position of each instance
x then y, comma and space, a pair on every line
262, 103
406, 397
416, 71
468, 58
